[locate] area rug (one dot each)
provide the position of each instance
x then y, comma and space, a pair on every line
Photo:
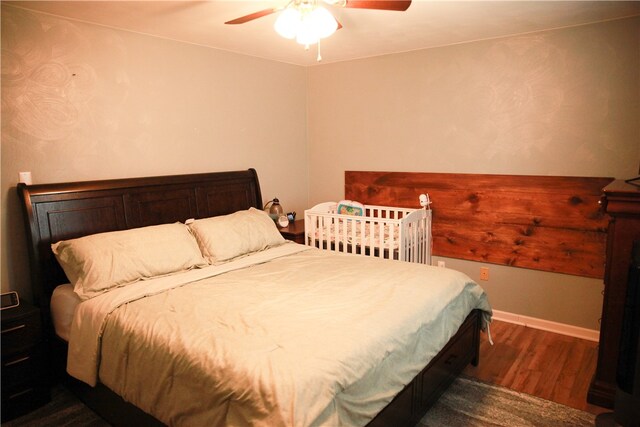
470, 403
466, 403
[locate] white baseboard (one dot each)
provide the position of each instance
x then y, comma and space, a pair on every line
547, 325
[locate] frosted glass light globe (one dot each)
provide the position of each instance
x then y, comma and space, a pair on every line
322, 21
288, 23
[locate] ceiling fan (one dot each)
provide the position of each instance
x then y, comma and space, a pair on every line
308, 22
397, 5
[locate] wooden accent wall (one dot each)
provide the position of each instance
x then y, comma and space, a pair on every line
540, 222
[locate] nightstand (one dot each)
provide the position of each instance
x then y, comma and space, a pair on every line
24, 383
294, 231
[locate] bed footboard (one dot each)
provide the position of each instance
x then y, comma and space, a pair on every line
410, 405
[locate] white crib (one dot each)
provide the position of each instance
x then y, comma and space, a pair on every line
385, 232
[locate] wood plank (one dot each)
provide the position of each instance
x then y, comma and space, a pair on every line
557, 250
541, 222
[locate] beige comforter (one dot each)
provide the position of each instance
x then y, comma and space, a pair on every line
308, 338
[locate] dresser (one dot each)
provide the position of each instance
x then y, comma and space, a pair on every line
24, 382
621, 201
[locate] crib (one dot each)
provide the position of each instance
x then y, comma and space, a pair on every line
381, 231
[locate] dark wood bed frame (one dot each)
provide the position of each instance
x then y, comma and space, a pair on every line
56, 212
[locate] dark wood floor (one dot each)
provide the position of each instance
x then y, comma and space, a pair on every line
544, 364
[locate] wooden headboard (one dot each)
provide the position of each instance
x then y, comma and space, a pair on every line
55, 212
548, 223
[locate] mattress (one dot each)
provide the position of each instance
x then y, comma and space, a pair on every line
290, 336
386, 236
63, 306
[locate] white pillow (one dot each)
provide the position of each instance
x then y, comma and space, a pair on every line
96, 263
222, 238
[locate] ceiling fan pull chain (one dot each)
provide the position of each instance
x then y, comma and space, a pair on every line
319, 58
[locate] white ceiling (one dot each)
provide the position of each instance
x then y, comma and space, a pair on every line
365, 33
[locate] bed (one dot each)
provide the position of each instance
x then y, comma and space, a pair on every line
380, 231
394, 387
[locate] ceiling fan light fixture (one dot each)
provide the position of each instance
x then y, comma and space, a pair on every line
307, 26
307, 22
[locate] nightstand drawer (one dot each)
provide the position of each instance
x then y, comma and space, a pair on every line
23, 399
24, 378
22, 367
21, 333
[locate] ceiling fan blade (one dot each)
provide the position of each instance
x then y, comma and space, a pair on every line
399, 5
252, 16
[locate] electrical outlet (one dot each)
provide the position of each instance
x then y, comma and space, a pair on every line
441, 264
484, 273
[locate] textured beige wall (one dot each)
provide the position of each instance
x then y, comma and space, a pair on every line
562, 102
86, 102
